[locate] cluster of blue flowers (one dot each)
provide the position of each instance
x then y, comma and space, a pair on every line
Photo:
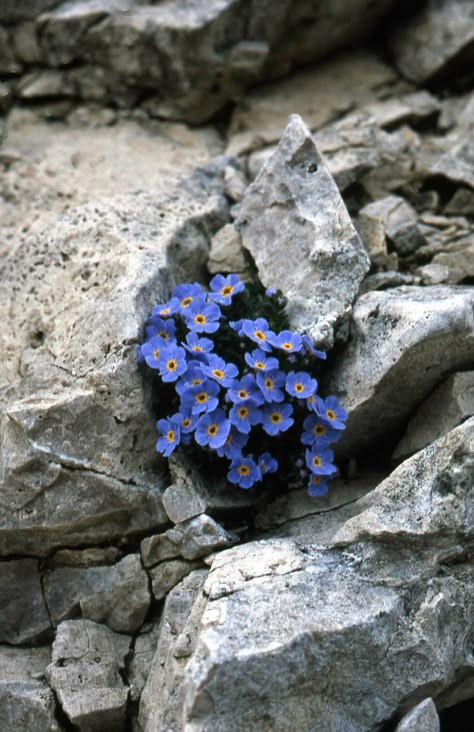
233, 407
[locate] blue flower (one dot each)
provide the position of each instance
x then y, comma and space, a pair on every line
245, 388
309, 347
168, 308
316, 428
212, 429
258, 331
270, 292
222, 372
236, 326
172, 362
201, 398
330, 409
192, 377
267, 464
259, 361
233, 445
244, 472
187, 295
245, 414
186, 421
165, 329
224, 288
277, 418
300, 384
150, 351
287, 341
319, 459
203, 318
197, 346
269, 383
317, 485
170, 436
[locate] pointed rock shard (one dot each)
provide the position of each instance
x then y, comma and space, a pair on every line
294, 223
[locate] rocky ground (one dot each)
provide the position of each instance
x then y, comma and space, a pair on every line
145, 144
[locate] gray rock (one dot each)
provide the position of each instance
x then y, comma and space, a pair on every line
423, 718
161, 704
384, 280
26, 701
141, 658
425, 332
458, 257
461, 204
168, 574
24, 616
13, 11
445, 408
117, 596
85, 673
457, 164
433, 274
92, 557
399, 221
190, 539
411, 109
293, 211
435, 42
226, 253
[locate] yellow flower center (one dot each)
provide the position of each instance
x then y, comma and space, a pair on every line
170, 436
165, 312
319, 429
243, 470
287, 346
260, 365
212, 430
276, 417
315, 479
186, 422
260, 335
242, 394
317, 462
242, 412
268, 384
227, 290
197, 348
330, 414
218, 373
200, 319
299, 388
171, 365
195, 382
186, 302
311, 399
201, 397
163, 334
156, 352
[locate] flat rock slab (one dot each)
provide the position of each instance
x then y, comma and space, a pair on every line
293, 212
436, 41
26, 700
85, 674
425, 332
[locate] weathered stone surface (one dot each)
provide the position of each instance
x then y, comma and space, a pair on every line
161, 705
190, 539
399, 221
24, 615
168, 574
436, 41
458, 258
226, 253
117, 596
77, 456
85, 674
445, 408
433, 274
384, 280
140, 663
423, 718
457, 164
411, 109
294, 212
319, 94
26, 701
425, 332
93, 557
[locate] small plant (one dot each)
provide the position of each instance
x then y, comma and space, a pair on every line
241, 388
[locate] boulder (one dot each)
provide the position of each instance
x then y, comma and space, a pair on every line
422, 718
399, 221
25, 619
293, 212
425, 332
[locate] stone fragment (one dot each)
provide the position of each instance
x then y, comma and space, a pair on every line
168, 574
140, 663
26, 700
458, 257
384, 280
422, 718
294, 212
85, 673
117, 596
411, 109
235, 183
435, 42
190, 539
400, 223
92, 557
445, 408
372, 233
425, 332
433, 274
226, 253
461, 204
13, 11
24, 616
41, 84
161, 704
457, 165
319, 94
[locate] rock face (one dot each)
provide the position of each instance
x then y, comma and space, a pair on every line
185, 60
294, 212
24, 615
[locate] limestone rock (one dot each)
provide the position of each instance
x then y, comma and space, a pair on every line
411, 109
445, 408
457, 164
85, 674
458, 258
161, 705
435, 42
167, 574
117, 596
423, 718
24, 616
293, 211
433, 274
189, 539
400, 223
26, 701
425, 332
226, 253
384, 280
140, 663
